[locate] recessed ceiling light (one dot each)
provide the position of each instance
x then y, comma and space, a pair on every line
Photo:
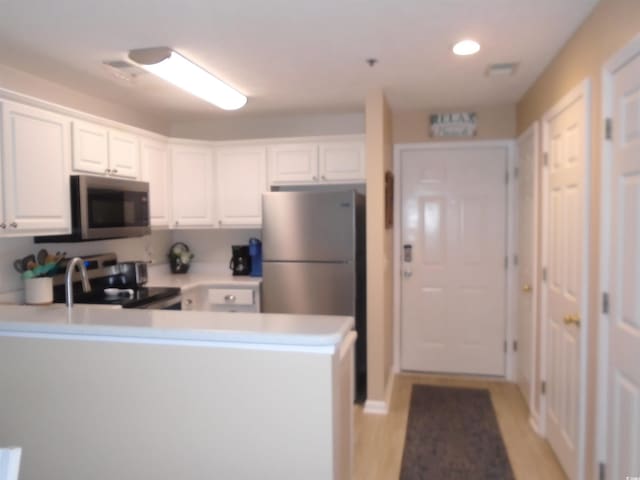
466, 47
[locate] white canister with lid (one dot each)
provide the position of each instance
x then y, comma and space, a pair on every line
38, 291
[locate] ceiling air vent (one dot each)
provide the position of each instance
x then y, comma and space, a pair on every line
502, 69
122, 70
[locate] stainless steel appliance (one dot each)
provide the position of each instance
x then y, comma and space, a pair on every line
120, 284
314, 259
105, 208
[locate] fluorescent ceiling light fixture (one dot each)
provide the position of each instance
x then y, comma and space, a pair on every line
466, 47
177, 70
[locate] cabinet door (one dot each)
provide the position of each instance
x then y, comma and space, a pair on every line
124, 154
155, 170
240, 183
293, 163
36, 148
192, 187
90, 148
342, 162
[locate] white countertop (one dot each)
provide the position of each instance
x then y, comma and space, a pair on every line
174, 326
200, 274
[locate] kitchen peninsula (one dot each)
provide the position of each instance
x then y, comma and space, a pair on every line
134, 394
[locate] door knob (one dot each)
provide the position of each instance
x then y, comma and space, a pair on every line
407, 273
527, 288
569, 319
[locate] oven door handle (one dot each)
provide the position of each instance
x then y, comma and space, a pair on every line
161, 304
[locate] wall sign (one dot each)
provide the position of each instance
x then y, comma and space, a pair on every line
461, 124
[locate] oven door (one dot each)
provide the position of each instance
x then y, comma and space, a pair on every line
111, 208
171, 303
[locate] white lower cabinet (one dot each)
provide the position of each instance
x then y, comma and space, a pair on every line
192, 199
233, 299
240, 182
206, 298
35, 171
193, 299
155, 169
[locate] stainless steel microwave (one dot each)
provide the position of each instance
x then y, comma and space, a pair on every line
104, 207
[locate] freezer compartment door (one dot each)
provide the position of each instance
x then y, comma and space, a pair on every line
308, 288
308, 226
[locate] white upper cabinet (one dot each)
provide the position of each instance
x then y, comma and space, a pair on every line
342, 162
192, 186
240, 182
155, 169
124, 154
35, 171
327, 162
103, 151
90, 148
295, 163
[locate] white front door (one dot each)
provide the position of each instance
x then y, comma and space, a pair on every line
566, 237
623, 419
526, 334
454, 244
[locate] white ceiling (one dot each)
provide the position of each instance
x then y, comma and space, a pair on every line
293, 55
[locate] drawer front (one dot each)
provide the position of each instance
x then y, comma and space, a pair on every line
230, 296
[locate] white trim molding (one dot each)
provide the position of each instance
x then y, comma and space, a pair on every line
381, 407
615, 62
510, 212
582, 90
534, 132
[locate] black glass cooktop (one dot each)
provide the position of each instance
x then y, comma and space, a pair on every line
141, 297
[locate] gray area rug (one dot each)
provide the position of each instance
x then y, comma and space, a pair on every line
452, 433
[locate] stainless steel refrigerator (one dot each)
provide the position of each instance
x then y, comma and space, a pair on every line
314, 260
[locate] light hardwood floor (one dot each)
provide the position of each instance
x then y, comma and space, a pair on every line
379, 439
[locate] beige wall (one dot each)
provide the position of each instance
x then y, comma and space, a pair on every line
40, 88
271, 126
494, 123
612, 24
379, 248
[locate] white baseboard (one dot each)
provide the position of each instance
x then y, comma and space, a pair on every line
533, 421
381, 407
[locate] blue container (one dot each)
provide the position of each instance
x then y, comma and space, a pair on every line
255, 252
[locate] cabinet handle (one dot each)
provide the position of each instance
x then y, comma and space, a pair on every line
315, 177
13, 225
115, 170
177, 222
219, 222
107, 171
3, 225
189, 301
324, 177
230, 298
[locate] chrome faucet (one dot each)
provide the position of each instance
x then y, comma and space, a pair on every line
68, 279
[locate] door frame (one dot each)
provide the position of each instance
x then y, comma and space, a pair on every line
511, 279
583, 89
534, 132
615, 62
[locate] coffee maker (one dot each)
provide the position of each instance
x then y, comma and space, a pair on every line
240, 262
